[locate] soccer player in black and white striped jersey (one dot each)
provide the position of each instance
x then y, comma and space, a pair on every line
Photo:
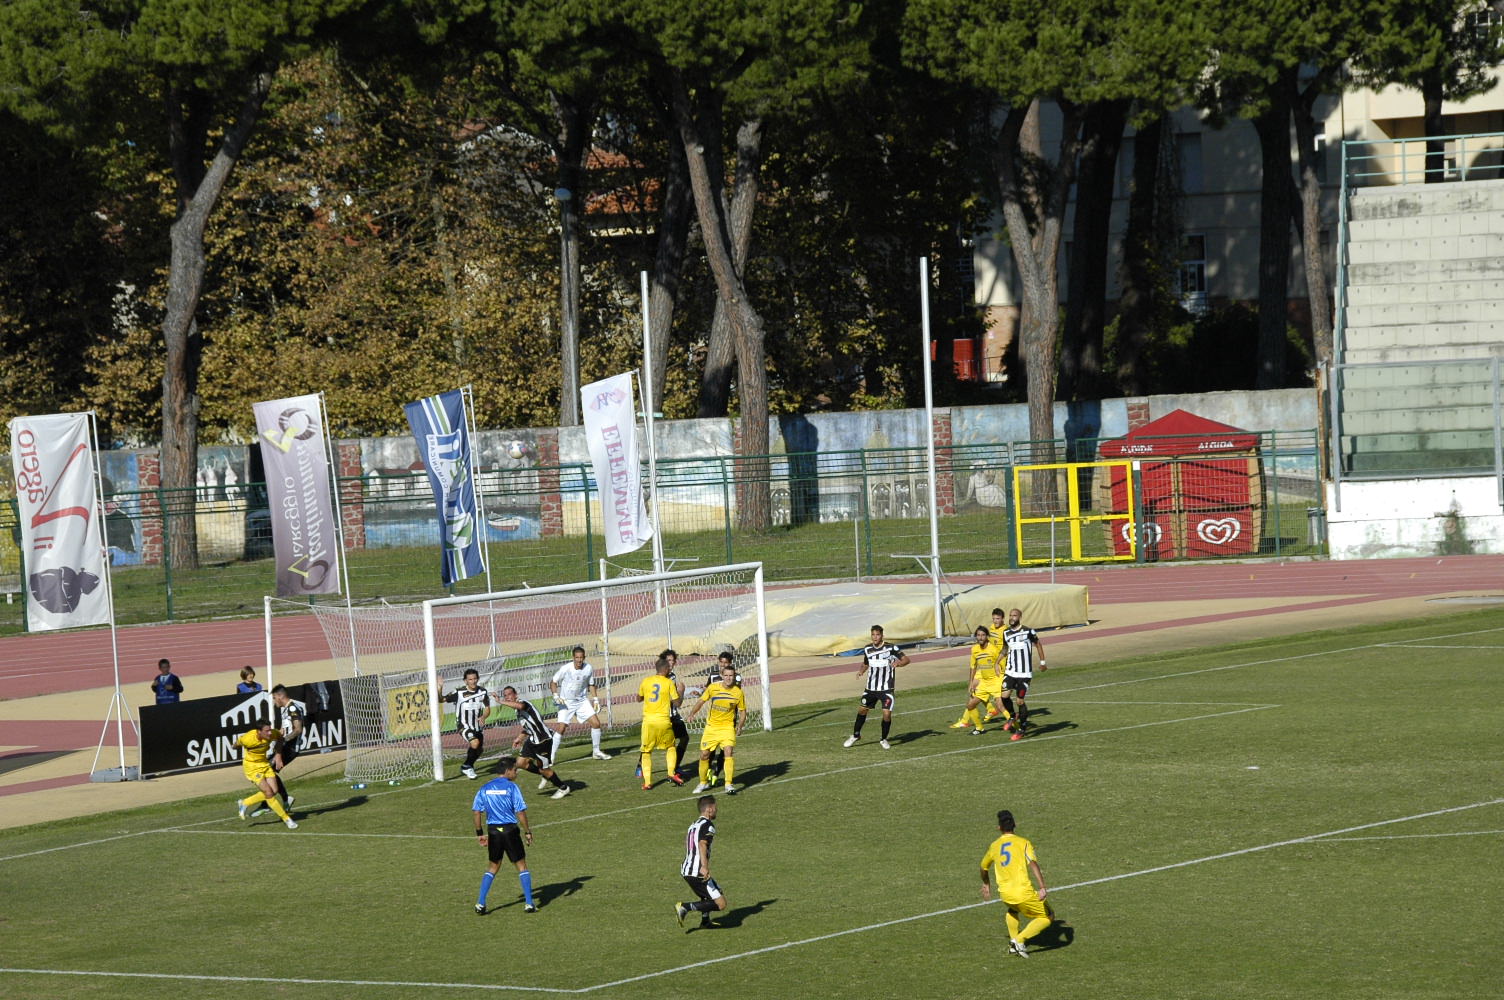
696, 866
880, 662
535, 743
1021, 642
472, 703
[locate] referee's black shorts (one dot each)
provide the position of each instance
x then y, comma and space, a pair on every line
504, 840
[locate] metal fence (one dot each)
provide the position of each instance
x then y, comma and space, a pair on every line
835, 515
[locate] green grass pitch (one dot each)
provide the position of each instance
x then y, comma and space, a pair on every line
1316, 816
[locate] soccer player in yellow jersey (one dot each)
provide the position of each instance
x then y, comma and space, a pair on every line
996, 630
985, 686
1012, 858
659, 695
255, 747
723, 723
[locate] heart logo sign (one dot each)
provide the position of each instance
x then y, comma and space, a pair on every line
1219, 532
1152, 533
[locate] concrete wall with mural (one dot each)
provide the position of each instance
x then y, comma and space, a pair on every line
1415, 517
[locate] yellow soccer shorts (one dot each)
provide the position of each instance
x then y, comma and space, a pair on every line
988, 690
1032, 908
255, 772
717, 739
657, 734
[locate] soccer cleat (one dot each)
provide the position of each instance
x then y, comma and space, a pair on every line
639, 770
992, 712
732, 789
978, 731
1016, 737
701, 787
260, 810
1007, 725
600, 755
243, 813
959, 724
292, 824
542, 784
647, 788
681, 911
563, 791
469, 772
480, 909
850, 741
530, 908
885, 744
676, 778
1019, 948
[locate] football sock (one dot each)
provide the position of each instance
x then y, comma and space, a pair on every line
706, 906
471, 755
647, 769
558, 742
1034, 927
526, 878
861, 720
485, 887
253, 801
1023, 713
282, 791
278, 808
670, 761
1012, 924
595, 739
1008, 706
553, 779
704, 770
970, 715
887, 725
729, 769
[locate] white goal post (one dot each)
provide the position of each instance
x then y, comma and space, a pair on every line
704, 611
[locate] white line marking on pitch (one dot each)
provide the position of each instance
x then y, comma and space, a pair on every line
1411, 836
1309, 838
1437, 645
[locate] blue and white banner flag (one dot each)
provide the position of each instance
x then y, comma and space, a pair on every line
439, 426
56, 499
305, 535
611, 436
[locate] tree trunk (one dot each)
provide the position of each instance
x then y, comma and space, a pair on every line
1273, 127
1036, 252
575, 116
1317, 289
1086, 285
198, 191
668, 263
754, 510
1431, 89
1137, 306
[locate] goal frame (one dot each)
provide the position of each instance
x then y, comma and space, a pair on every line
430, 645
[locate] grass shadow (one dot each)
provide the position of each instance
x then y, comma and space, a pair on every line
545, 894
734, 916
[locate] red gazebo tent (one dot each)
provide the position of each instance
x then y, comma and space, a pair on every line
1201, 484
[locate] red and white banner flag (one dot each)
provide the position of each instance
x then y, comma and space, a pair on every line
611, 435
61, 541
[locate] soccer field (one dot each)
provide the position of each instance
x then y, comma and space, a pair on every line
1310, 816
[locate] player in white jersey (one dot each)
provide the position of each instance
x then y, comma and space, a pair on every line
880, 662
573, 686
1021, 643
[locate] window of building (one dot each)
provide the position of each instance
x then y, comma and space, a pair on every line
1193, 273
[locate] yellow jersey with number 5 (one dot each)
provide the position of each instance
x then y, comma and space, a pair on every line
1009, 858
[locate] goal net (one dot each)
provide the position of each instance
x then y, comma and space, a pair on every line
392, 658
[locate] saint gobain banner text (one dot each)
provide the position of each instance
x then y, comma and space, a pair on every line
61, 543
438, 424
611, 434
305, 535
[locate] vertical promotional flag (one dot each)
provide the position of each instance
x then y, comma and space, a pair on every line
305, 535
60, 533
611, 434
439, 426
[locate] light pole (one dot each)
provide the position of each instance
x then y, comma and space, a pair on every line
569, 293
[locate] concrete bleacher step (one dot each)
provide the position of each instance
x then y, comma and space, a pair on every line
1422, 420
1409, 462
1448, 247
1424, 271
1402, 396
1359, 354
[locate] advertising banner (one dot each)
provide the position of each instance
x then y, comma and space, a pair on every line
305, 535
611, 435
201, 733
440, 428
61, 543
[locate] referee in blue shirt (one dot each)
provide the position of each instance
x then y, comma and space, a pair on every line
502, 826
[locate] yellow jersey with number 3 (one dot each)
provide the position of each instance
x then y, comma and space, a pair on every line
657, 693
1009, 858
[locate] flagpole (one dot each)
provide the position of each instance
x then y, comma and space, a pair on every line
929, 437
118, 707
647, 407
467, 406
339, 517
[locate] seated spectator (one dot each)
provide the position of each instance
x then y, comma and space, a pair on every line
247, 683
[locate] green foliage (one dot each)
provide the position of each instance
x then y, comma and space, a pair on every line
1215, 351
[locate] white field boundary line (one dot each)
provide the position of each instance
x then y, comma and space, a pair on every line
1309, 838
1411, 836
748, 789
1439, 645
181, 828
1087, 687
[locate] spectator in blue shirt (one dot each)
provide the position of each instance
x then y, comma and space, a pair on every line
166, 686
248, 683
